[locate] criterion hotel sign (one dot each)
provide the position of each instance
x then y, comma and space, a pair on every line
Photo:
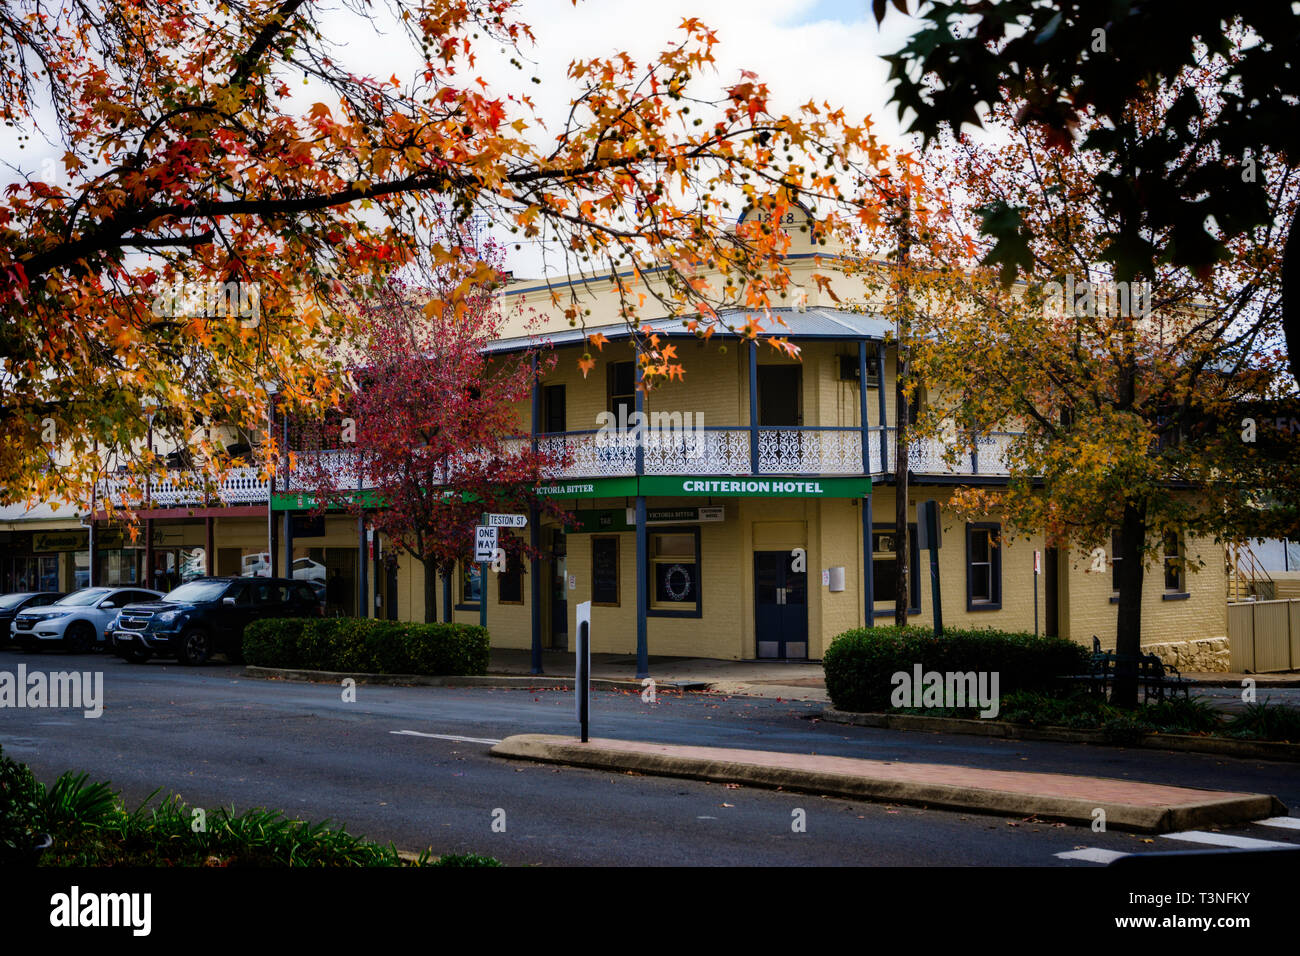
778, 487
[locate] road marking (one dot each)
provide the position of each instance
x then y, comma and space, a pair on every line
464, 740
1225, 839
1091, 855
1287, 823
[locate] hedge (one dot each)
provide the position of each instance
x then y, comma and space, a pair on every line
860, 663
364, 645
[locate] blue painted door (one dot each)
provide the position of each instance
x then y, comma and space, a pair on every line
780, 606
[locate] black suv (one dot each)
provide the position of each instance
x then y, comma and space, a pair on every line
207, 616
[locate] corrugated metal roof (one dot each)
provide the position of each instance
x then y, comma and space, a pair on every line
43, 511
814, 323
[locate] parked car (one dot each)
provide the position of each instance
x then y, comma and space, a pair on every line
207, 616
11, 604
255, 565
305, 569
75, 621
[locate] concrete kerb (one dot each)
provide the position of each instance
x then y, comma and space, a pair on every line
1212, 809
1184, 743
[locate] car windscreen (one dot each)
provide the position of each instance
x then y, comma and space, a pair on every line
13, 600
83, 597
196, 591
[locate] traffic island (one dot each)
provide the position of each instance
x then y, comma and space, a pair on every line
1128, 805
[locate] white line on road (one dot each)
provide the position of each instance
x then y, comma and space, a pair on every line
464, 740
1288, 823
1091, 855
1224, 839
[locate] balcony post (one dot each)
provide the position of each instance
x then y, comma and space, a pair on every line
884, 421
272, 567
287, 516
363, 586
209, 554
534, 540
642, 639
862, 406
868, 566
753, 407
642, 646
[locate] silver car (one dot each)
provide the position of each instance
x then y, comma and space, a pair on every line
76, 622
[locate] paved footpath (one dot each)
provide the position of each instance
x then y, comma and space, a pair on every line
1127, 804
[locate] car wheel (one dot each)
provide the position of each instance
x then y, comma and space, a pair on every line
196, 647
79, 637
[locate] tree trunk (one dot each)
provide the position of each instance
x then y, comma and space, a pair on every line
1128, 622
430, 590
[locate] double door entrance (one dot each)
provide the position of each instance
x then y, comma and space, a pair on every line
780, 606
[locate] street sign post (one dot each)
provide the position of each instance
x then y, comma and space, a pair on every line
930, 538
582, 667
1038, 569
485, 544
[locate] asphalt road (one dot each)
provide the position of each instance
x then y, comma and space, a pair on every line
219, 739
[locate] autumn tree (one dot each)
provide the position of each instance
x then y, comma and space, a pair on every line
191, 177
1074, 69
427, 439
1128, 398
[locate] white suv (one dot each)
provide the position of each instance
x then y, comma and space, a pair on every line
77, 621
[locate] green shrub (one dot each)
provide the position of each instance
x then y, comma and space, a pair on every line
275, 639
860, 663
20, 795
364, 645
1267, 721
1076, 710
1183, 715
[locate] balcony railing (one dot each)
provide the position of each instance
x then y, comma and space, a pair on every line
725, 451
239, 486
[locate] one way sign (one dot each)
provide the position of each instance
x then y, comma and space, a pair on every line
485, 542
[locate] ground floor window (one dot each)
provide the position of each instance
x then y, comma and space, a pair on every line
673, 560
1115, 557
983, 567
1174, 571
510, 582
604, 571
884, 570
471, 585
